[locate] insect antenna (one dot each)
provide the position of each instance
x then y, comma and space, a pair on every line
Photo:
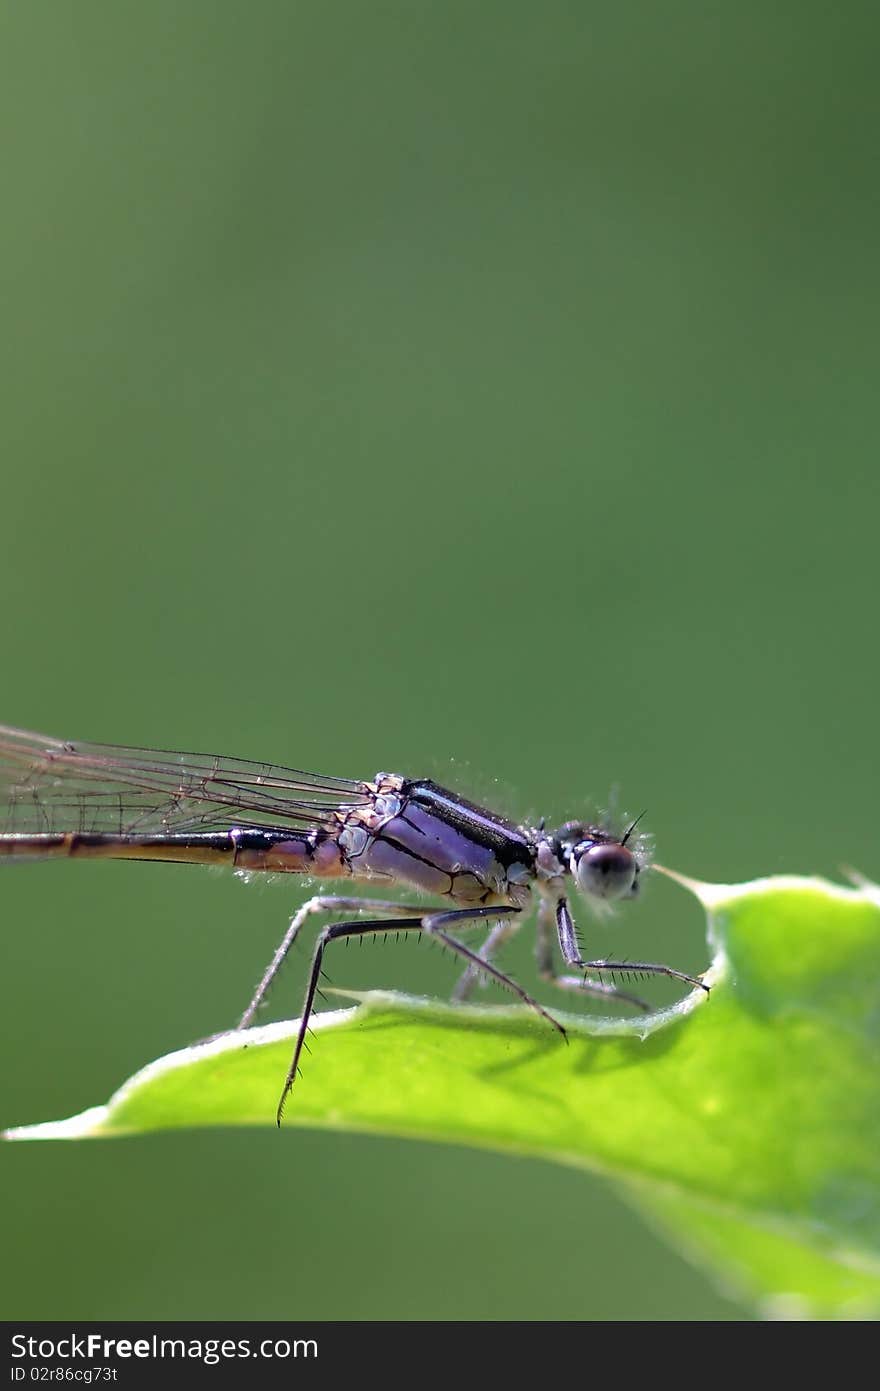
633, 826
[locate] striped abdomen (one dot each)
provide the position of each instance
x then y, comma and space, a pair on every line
284, 852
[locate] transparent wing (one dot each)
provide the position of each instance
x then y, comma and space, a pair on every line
52, 786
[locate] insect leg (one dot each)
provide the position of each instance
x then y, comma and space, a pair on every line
544, 953
434, 925
330, 934
498, 935
321, 903
569, 948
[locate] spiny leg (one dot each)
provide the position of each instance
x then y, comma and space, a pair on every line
432, 924
321, 903
569, 947
579, 984
470, 977
329, 934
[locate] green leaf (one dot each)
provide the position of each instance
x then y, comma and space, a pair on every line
746, 1125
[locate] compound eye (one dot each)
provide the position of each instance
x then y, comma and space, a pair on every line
606, 871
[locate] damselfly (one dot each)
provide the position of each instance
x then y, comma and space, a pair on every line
80, 801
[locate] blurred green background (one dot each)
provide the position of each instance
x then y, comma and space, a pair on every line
479, 390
